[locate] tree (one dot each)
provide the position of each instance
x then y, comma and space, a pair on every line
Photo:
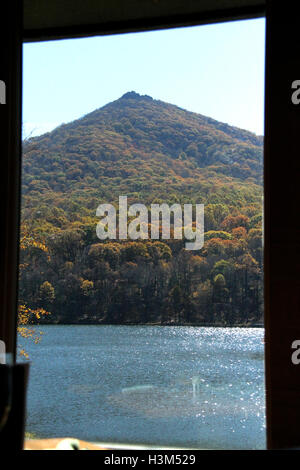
46, 293
220, 292
28, 316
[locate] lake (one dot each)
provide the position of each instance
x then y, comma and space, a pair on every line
192, 387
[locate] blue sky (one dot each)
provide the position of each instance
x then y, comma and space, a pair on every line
215, 70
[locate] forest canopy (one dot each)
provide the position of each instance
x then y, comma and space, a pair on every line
152, 152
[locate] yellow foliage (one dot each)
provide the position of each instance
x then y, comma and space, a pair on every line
26, 315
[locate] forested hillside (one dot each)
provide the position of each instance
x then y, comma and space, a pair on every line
152, 152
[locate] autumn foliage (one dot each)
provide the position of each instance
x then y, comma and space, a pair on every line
153, 152
27, 317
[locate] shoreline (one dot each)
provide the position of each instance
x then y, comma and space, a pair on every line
200, 325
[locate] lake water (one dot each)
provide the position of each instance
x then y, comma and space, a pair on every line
165, 386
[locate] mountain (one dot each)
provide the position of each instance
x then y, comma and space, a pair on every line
150, 151
147, 149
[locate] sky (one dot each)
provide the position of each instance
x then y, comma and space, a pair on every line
215, 70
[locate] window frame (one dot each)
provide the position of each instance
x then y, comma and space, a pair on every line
283, 410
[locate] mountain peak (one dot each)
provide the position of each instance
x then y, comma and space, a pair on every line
135, 96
